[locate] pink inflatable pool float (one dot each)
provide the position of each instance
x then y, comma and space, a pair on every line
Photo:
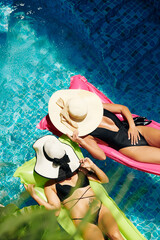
80, 82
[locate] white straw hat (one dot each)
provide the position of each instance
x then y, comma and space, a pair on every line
84, 108
55, 160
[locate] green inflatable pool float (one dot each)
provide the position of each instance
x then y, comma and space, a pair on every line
28, 176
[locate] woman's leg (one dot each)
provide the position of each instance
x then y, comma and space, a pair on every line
146, 154
108, 225
89, 231
152, 135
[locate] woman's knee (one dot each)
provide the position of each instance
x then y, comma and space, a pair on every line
115, 235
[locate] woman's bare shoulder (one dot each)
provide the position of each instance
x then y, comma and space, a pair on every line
50, 183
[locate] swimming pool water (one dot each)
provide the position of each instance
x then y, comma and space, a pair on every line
39, 53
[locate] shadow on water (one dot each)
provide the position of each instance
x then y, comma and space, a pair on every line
73, 46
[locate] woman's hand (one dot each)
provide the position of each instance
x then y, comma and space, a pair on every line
75, 137
92, 171
87, 164
133, 135
30, 189
90, 144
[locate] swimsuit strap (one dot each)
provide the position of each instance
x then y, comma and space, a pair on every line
80, 197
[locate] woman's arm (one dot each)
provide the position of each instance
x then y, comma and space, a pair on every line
92, 171
89, 144
53, 200
133, 133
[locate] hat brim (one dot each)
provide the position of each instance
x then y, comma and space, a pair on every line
91, 121
46, 168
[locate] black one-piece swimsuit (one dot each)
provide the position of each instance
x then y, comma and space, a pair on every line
119, 139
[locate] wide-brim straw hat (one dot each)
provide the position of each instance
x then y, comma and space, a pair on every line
91, 104
48, 149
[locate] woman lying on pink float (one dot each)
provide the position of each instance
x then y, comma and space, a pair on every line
81, 115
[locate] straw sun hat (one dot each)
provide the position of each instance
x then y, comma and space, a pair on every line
74, 109
55, 160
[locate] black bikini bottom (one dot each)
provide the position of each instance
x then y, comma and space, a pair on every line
94, 216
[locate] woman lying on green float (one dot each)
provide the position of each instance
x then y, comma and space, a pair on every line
69, 185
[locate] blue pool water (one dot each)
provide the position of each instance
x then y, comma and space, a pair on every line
43, 44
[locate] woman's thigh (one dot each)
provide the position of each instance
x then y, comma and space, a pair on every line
152, 135
89, 231
146, 154
108, 224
